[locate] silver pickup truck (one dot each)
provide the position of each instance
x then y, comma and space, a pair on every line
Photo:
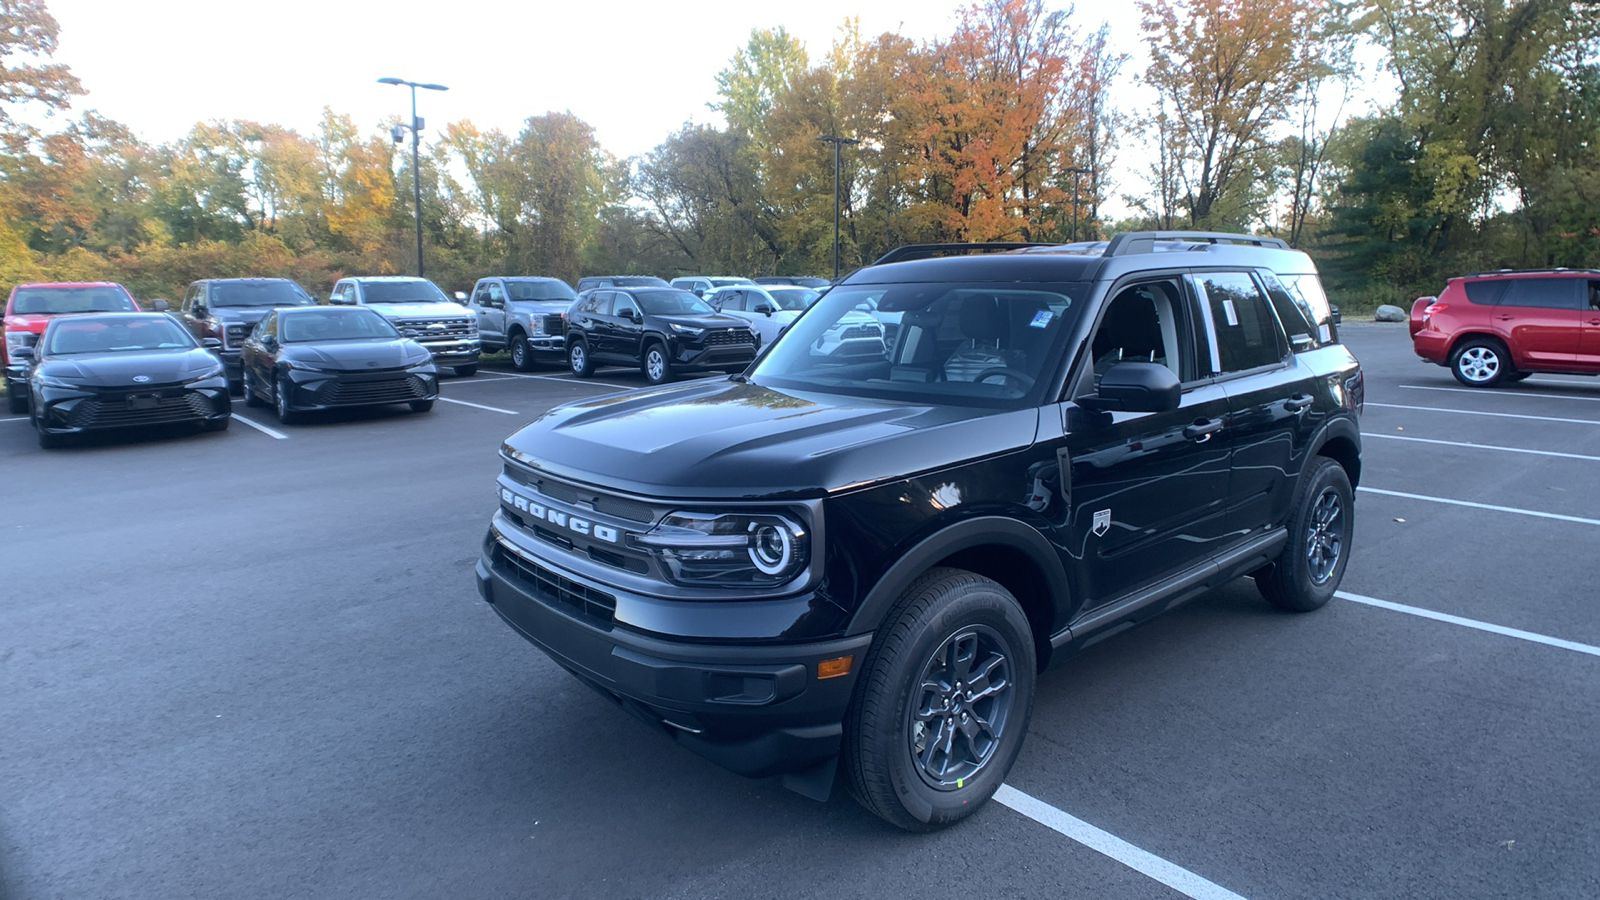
523, 315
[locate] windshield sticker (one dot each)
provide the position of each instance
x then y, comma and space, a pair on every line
1041, 319
1227, 310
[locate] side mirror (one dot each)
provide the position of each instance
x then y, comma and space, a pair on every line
632, 315
461, 296
212, 344
1136, 387
160, 305
199, 311
340, 301
410, 333
764, 309
21, 353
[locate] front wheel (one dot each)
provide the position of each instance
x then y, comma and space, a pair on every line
280, 401
1321, 529
578, 359
657, 368
943, 703
1480, 363
17, 400
521, 353
466, 371
250, 398
421, 406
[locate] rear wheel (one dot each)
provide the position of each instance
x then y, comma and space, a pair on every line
280, 401
578, 359
17, 400
943, 703
1480, 362
1517, 376
1321, 529
521, 353
657, 368
250, 388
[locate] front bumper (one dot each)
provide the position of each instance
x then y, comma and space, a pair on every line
65, 411
757, 710
553, 345
454, 352
313, 390
716, 356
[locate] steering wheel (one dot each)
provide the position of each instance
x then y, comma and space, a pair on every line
1022, 379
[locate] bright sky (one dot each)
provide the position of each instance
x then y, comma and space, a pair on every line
636, 71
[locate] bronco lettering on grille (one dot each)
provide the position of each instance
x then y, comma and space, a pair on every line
558, 518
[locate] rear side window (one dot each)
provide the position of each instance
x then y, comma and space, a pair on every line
1247, 333
1297, 316
1487, 293
1547, 293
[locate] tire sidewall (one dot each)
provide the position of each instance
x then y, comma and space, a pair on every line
578, 359
1302, 593
1502, 358
519, 353
665, 369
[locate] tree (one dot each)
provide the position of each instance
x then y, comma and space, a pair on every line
29, 33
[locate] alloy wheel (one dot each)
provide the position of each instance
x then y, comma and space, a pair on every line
1479, 363
1325, 536
960, 708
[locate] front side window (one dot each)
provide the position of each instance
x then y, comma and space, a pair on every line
1247, 333
1143, 323
497, 294
268, 327
967, 344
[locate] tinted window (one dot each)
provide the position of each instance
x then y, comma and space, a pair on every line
622, 303
259, 293
330, 324
1487, 293
731, 300
1143, 323
109, 298
104, 335
539, 290
1297, 316
1548, 293
416, 290
673, 303
1247, 333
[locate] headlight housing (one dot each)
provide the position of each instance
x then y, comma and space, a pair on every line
697, 549
687, 330
15, 339
214, 372
51, 381
304, 367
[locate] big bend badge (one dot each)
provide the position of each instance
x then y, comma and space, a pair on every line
1102, 522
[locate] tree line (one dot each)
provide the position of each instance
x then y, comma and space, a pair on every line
1485, 156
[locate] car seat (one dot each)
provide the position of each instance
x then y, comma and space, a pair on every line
984, 324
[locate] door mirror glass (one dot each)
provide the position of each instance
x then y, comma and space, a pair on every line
1136, 387
764, 308
160, 305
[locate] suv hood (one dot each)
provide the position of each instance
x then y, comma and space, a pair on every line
247, 315
715, 320
540, 306
420, 310
728, 439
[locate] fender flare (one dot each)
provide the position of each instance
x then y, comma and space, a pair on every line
963, 535
1343, 427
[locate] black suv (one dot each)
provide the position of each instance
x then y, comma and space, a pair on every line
661, 330
870, 559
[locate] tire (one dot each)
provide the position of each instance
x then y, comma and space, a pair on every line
1517, 376
1480, 362
280, 403
47, 441
250, 398
1321, 531
216, 424
894, 769
421, 406
578, 358
466, 371
657, 367
17, 400
521, 353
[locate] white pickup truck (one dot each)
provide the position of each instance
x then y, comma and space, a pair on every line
525, 315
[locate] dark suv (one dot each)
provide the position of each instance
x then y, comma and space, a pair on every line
660, 330
1494, 327
870, 560
229, 308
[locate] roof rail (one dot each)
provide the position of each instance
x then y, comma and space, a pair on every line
1548, 269
923, 251
1144, 241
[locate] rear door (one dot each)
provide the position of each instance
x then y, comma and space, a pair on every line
1541, 318
482, 308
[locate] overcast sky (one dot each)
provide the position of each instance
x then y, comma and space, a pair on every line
636, 71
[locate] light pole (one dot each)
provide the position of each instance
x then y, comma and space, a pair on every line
836, 141
1076, 171
416, 131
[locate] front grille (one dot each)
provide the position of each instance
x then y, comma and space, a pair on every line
388, 390
731, 336
554, 324
449, 329
860, 332
118, 412
234, 335
555, 589
577, 495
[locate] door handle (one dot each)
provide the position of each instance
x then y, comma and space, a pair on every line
1505, 318
1202, 429
1297, 402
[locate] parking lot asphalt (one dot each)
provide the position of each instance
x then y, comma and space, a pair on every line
248, 665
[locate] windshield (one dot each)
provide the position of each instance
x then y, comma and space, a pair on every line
259, 293
49, 300
539, 290
965, 344
415, 290
673, 303
104, 334
333, 324
724, 282
798, 298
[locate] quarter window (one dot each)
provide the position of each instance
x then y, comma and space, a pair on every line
1248, 334
1548, 293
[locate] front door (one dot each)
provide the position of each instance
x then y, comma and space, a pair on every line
1589, 338
1147, 492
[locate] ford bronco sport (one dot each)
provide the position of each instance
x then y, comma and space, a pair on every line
868, 561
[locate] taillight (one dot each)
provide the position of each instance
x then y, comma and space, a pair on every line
1431, 308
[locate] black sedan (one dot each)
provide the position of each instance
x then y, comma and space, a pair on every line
322, 357
120, 370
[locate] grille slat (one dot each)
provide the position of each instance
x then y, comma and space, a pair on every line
557, 590
95, 413
453, 328
388, 390
731, 336
860, 332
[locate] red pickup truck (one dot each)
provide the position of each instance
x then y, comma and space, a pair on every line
31, 306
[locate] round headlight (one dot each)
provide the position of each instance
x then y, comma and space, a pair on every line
771, 547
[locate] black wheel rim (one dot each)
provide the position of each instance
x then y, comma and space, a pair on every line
1325, 536
960, 707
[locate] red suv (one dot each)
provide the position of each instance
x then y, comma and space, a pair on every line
31, 306
1504, 326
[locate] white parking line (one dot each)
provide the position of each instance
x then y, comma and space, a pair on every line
509, 412
1475, 412
1489, 506
269, 432
565, 379
479, 379
1400, 437
18, 419
1502, 393
1490, 627
1104, 842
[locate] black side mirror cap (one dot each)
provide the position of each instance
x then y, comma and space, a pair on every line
1136, 387
211, 343
22, 352
160, 305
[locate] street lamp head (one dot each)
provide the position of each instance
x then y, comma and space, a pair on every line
391, 81
433, 87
